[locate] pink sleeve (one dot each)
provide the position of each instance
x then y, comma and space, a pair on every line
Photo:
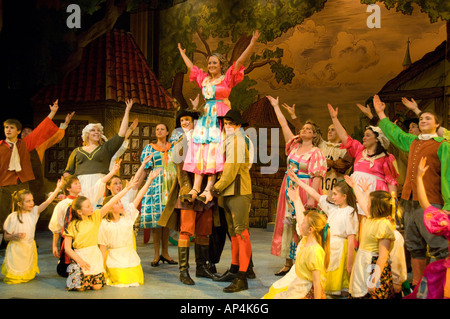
197, 75
353, 147
317, 166
291, 143
390, 170
436, 222
233, 77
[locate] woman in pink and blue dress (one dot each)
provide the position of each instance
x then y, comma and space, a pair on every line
204, 155
307, 161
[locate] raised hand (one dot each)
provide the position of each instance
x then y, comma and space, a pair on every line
290, 109
293, 193
411, 104
129, 104
333, 112
255, 36
366, 110
154, 173
147, 159
273, 101
364, 184
378, 105
69, 118
195, 101
421, 169
350, 181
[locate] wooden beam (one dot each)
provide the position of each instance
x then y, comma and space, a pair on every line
417, 94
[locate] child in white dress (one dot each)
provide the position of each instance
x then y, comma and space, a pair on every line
117, 241
21, 258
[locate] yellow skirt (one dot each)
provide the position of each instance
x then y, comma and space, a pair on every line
21, 262
338, 279
125, 277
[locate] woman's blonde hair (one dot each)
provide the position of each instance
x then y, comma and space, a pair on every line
318, 222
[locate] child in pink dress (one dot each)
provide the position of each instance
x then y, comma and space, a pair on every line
204, 154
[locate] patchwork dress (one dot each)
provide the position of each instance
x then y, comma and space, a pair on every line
204, 155
306, 166
155, 199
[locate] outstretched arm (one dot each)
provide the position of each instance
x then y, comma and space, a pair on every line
295, 120
50, 199
310, 190
360, 197
298, 205
421, 193
340, 130
281, 119
243, 57
124, 125
186, 60
379, 107
144, 188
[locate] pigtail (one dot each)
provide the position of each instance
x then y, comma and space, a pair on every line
318, 221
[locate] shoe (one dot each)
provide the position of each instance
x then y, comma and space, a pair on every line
204, 198
238, 284
189, 197
165, 260
250, 273
283, 272
228, 276
156, 263
183, 256
185, 278
201, 258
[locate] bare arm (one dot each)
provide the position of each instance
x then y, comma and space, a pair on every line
147, 184
383, 255
360, 197
317, 284
124, 124
243, 57
298, 205
281, 119
50, 199
421, 193
310, 190
186, 60
340, 130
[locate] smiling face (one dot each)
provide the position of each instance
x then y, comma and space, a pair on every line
214, 66
187, 123
428, 123
95, 135
369, 139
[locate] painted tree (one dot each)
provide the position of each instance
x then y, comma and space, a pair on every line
231, 21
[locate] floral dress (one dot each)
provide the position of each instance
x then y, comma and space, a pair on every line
307, 166
204, 156
155, 199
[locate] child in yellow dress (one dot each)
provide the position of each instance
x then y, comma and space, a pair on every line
81, 242
312, 255
21, 258
371, 277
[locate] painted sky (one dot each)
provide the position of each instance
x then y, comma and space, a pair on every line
338, 59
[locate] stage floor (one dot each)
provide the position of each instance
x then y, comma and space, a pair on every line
160, 282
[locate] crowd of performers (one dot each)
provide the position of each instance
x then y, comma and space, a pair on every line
341, 228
